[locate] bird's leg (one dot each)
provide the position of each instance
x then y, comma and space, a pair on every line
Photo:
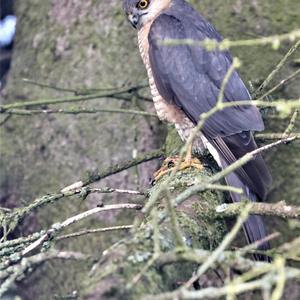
190, 161
171, 163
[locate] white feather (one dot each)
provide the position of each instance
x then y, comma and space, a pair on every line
212, 150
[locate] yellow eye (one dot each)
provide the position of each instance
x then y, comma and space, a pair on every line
143, 4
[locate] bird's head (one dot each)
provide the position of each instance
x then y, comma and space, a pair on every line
140, 12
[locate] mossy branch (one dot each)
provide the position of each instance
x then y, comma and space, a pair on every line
280, 209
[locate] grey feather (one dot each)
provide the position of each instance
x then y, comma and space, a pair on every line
191, 77
254, 226
255, 173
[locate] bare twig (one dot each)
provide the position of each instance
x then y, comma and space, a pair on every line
77, 111
258, 243
281, 83
292, 124
210, 44
58, 227
98, 174
277, 69
73, 99
111, 190
81, 92
280, 266
5, 120
92, 231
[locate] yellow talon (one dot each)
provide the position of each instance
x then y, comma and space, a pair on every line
170, 164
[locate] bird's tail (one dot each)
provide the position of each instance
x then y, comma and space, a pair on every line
254, 227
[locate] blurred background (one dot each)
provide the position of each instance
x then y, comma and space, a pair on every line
7, 32
64, 48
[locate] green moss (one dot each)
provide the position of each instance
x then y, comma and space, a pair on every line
173, 142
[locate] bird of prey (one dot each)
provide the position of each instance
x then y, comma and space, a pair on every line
186, 81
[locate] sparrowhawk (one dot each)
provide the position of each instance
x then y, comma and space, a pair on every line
186, 81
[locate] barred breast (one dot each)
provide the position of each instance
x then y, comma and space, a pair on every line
165, 111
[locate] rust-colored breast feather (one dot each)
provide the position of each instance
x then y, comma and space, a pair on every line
165, 111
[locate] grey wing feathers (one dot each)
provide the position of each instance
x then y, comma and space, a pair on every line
191, 77
254, 226
255, 173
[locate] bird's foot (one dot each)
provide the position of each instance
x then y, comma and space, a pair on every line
171, 163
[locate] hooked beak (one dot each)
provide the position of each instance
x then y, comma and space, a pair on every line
134, 19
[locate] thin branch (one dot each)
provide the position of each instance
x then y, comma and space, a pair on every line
66, 99
81, 92
224, 188
55, 87
92, 231
108, 190
280, 209
235, 64
174, 221
278, 291
98, 174
275, 136
258, 243
290, 250
5, 120
5, 209
281, 105
76, 111
281, 83
276, 70
60, 226
210, 44
292, 124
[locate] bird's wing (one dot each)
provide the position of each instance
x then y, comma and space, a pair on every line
191, 77
255, 173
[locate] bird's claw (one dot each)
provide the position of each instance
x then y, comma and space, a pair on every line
171, 163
